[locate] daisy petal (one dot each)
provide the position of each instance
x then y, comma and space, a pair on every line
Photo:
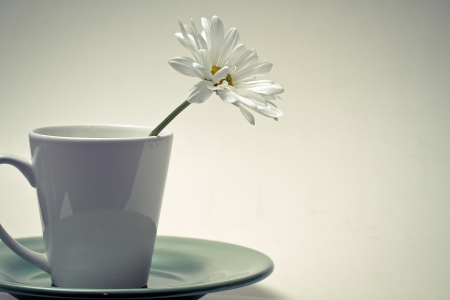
246, 101
203, 35
204, 74
200, 92
207, 31
268, 97
188, 45
184, 42
256, 69
246, 59
194, 27
271, 103
192, 34
227, 96
221, 74
224, 83
189, 30
206, 60
252, 81
193, 42
248, 116
270, 111
183, 65
263, 88
217, 34
203, 43
221, 86
258, 100
213, 50
184, 33
198, 38
235, 54
211, 86
241, 99
229, 43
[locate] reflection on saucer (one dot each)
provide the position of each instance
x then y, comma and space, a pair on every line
182, 269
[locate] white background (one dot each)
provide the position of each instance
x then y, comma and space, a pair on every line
348, 192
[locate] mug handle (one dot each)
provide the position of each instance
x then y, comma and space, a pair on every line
38, 259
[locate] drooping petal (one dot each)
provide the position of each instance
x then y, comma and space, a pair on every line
256, 69
217, 35
221, 74
204, 74
248, 116
268, 97
200, 92
270, 111
256, 98
227, 96
229, 43
245, 101
184, 66
271, 103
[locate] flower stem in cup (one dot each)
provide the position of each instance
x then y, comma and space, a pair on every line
169, 118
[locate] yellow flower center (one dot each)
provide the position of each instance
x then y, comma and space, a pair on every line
214, 70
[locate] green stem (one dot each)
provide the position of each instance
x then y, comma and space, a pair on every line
169, 118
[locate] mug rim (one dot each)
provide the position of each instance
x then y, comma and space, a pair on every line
43, 136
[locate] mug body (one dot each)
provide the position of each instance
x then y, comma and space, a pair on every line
100, 189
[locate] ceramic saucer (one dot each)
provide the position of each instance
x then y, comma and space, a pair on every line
182, 268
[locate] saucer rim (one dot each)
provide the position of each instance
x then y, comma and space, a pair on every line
137, 293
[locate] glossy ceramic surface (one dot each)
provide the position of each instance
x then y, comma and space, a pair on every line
182, 268
100, 189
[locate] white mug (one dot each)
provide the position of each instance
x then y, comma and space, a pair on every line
100, 189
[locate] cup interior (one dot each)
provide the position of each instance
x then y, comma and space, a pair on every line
96, 131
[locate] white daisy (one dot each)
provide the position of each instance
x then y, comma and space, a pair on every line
227, 68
